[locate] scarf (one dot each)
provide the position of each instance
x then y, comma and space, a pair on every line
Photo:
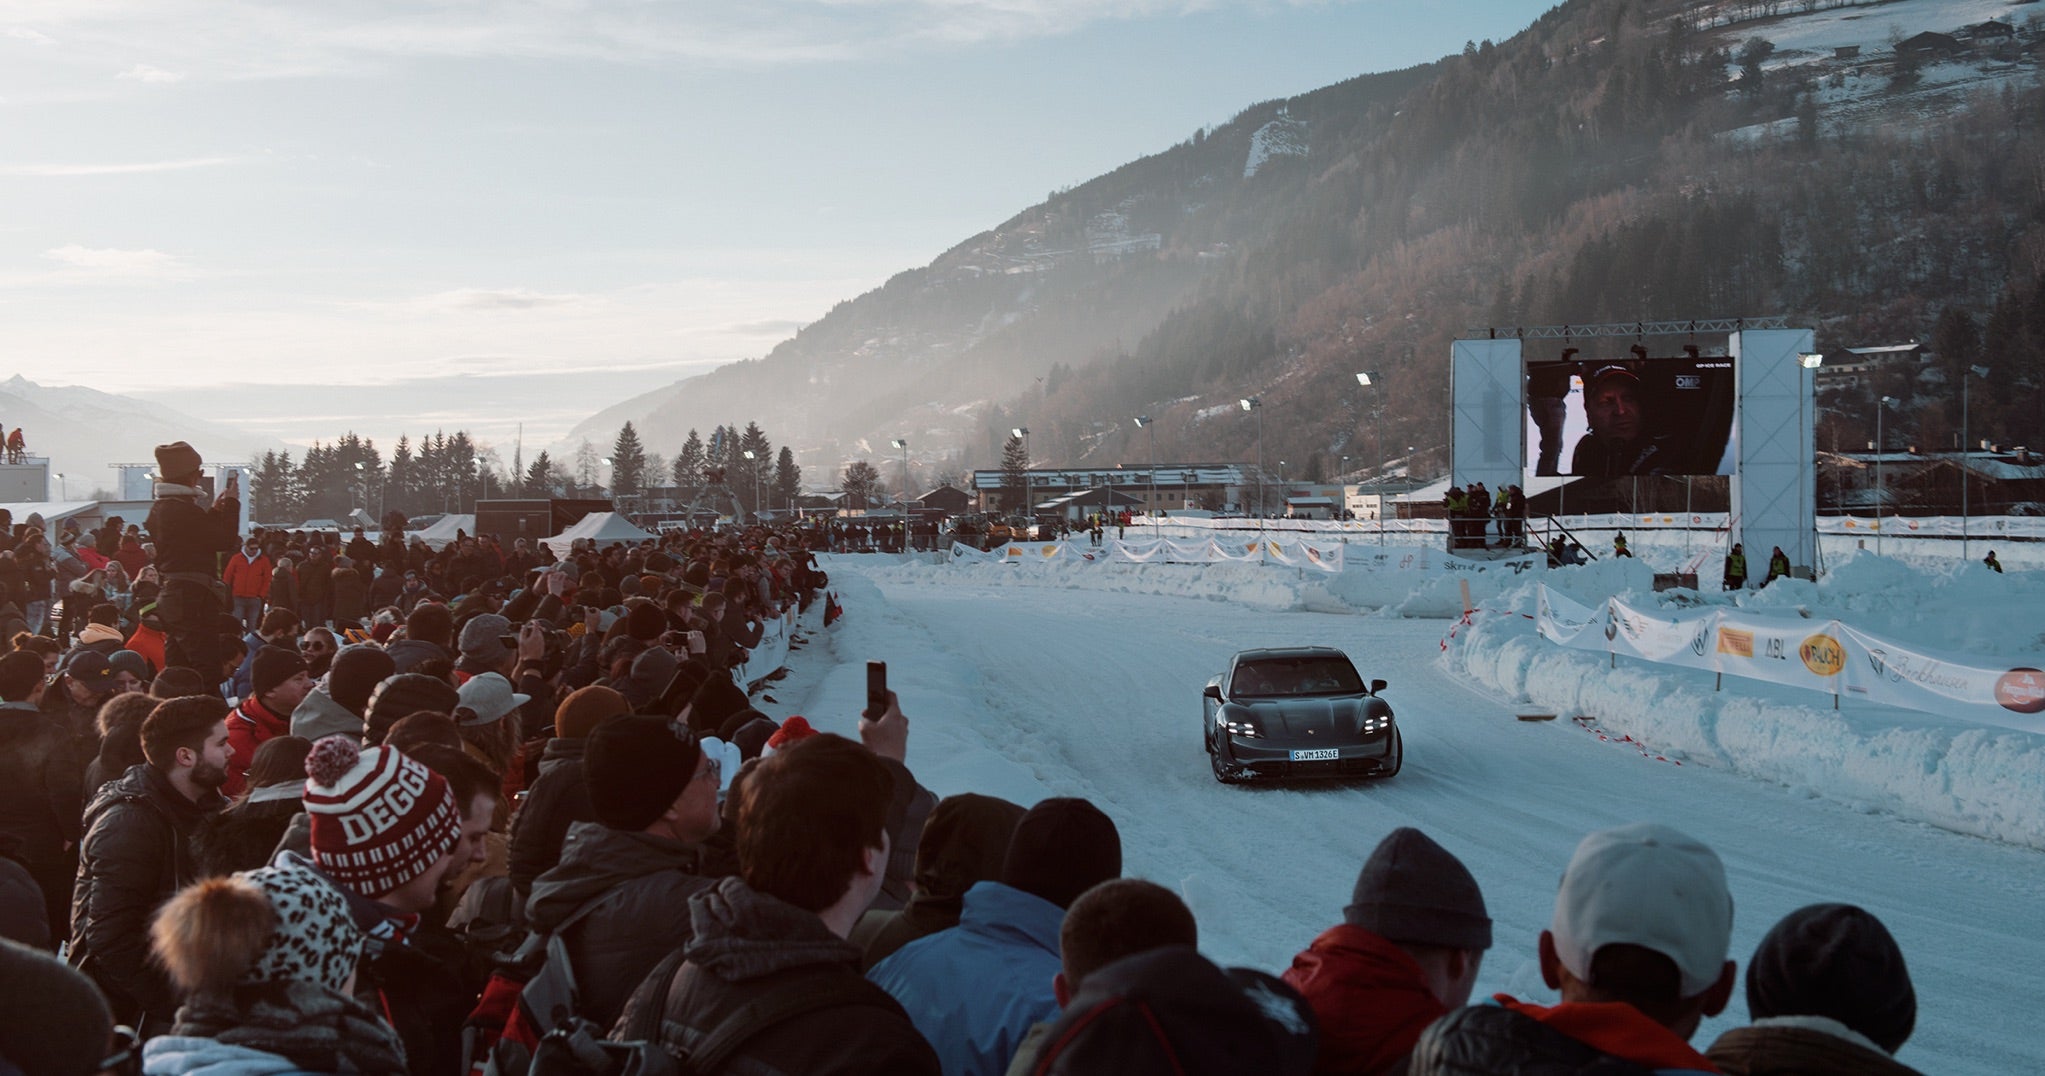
315, 1028
172, 489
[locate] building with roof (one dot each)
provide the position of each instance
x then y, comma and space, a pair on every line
1174, 487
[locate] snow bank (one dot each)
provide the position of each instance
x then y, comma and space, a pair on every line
1979, 781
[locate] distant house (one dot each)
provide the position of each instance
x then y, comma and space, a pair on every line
1992, 30
1930, 45
1846, 52
948, 499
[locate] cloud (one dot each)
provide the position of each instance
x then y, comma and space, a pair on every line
107, 262
146, 73
495, 299
33, 37
120, 169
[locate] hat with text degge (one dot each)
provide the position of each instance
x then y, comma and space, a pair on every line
379, 818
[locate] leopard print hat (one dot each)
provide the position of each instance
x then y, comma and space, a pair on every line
316, 939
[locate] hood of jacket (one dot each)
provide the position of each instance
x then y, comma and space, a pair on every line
1370, 996
190, 1055
560, 751
318, 714
742, 934
594, 859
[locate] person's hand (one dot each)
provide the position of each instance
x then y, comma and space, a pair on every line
593, 620
532, 643
697, 643
888, 734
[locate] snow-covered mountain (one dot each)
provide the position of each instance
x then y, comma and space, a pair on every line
83, 430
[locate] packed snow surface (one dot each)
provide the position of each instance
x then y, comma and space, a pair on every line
1033, 681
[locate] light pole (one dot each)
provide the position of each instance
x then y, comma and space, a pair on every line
753, 465
903, 444
1255, 403
63, 488
1029, 508
1367, 379
1881, 449
1807, 365
1965, 434
1143, 422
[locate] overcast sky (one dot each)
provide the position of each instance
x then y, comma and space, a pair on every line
495, 211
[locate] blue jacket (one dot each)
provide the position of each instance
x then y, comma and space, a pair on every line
974, 990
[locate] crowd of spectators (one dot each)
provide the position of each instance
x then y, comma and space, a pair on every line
516, 814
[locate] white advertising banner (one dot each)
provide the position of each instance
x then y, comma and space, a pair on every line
1679, 640
1781, 650
1319, 554
1564, 621
1951, 685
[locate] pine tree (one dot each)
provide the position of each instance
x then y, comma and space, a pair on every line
1015, 466
628, 463
787, 478
689, 464
538, 480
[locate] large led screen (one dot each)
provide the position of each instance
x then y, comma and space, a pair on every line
1600, 418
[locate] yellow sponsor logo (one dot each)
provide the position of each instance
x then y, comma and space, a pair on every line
1739, 644
1823, 655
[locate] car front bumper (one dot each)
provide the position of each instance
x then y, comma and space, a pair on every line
1249, 758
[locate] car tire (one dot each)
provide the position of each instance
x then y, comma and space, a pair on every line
1397, 759
1221, 771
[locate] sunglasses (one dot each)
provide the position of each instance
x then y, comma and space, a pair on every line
314, 648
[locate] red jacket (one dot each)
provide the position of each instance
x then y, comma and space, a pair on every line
246, 578
248, 726
1369, 996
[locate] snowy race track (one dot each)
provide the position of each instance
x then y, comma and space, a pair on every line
1027, 691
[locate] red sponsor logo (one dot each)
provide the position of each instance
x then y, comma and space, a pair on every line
2022, 690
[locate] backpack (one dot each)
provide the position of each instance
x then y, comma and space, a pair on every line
530, 993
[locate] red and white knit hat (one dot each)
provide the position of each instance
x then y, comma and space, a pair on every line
379, 819
792, 731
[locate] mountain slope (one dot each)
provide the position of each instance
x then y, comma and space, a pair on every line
1619, 160
82, 430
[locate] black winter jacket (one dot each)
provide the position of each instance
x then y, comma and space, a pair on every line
40, 793
1491, 1040
134, 857
747, 945
646, 883
556, 801
245, 836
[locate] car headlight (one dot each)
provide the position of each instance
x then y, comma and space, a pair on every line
1241, 728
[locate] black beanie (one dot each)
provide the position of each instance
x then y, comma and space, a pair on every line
273, 666
645, 621
406, 694
1063, 847
355, 673
52, 1018
1411, 890
635, 769
1836, 961
714, 702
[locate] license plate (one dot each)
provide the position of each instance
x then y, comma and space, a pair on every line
1314, 754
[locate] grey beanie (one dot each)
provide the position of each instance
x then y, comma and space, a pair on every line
1412, 890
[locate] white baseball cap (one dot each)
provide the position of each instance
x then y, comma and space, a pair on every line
488, 698
1647, 885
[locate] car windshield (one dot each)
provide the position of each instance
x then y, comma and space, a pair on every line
1315, 675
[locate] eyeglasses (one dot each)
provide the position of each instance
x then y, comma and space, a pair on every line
126, 1060
316, 648
711, 767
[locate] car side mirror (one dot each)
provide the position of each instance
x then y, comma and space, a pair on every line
1376, 686
1212, 691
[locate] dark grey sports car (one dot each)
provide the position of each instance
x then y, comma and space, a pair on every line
1300, 712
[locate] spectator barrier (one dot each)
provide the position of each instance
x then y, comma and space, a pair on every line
1286, 552
772, 653
1828, 656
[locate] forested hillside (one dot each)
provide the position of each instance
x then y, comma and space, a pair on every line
1619, 160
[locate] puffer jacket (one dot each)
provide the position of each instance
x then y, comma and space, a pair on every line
1505, 1037
245, 836
1801, 1046
41, 799
351, 595
134, 857
747, 945
643, 881
558, 799
1369, 997
973, 991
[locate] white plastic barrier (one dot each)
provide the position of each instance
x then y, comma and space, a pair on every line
1818, 655
771, 654
1289, 552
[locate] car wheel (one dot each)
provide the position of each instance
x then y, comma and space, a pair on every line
1223, 772
1397, 758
